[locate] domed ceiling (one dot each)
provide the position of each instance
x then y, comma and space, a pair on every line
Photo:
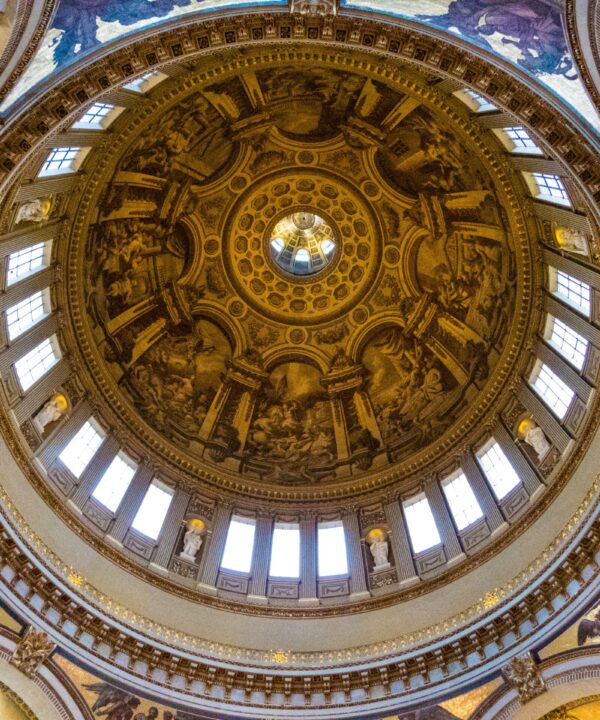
302, 276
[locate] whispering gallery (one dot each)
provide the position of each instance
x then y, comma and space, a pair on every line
299, 354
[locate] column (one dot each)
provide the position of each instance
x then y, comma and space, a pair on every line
131, 502
46, 186
403, 557
484, 496
214, 551
47, 327
356, 565
26, 287
170, 530
443, 521
96, 468
523, 469
52, 446
261, 559
308, 562
21, 239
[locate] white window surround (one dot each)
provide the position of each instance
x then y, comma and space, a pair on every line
97, 117
474, 101
239, 545
113, 485
571, 290
26, 262
153, 510
63, 161
332, 558
566, 341
36, 363
145, 82
518, 141
547, 187
553, 390
81, 448
285, 551
497, 468
462, 500
421, 525
28, 312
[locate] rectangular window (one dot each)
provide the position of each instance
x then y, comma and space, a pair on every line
25, 262
518, 140
145, 82
462, 501
570, 344
239, 545
114, 483
60, 160
285, 551
553, 391
27, 313
36, 363
550, 188
152, 512
573, 291
476, 102
498, 470
421, 524
331, 546
82, 447
95, 117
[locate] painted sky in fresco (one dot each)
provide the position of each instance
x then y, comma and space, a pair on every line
528, 34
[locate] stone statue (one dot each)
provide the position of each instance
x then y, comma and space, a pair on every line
378, 545
571, 240
533, 435
53, 410
192, 540
35, 211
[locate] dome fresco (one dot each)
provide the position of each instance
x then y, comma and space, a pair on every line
399, 328
299, 358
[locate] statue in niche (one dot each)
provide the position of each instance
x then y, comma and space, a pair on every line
36, 211
192, 540
292, 431
534, 436
52, 411
379, 548
571, 240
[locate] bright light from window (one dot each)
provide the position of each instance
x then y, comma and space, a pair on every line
302, 257
570, 344
328, 246
551, 188
145, 82
332, 558
36, 363
463, 504
239, 545
573, 291
553, 391
475, 101
277, 244
521, 141
114, 483
498, 470
421, 524
82, 447
27, 313
25, 262
95, 116
152, 512
61, 160
285, 551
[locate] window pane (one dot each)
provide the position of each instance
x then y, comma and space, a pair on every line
153, 511
94, 115
27, 313
570, 344
573, 291
522, 140
285, 551
25, 262
82, 448
239, 544
498, 470
463, 504
483, 104
553, 391
421, 525
115, 481
37, 362
60, 160
551, 187
331, 543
